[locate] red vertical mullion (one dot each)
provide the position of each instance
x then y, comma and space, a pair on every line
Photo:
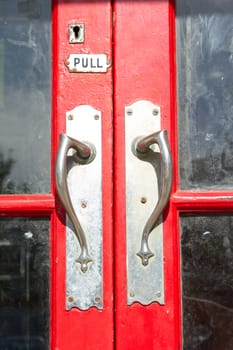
54, 92
93, 328
54, 131
142, 71
175, 227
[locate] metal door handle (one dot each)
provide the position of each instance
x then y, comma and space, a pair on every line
143, 146
84, 154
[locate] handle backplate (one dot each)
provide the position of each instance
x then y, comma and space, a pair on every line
145, 284
84, 290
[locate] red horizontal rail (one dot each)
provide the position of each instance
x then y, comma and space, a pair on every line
41, 204
200, 200
183, 200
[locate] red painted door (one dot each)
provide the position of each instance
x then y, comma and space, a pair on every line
143, 70
131, 85
136, 37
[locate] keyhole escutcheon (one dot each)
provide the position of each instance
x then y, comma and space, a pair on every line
76, 33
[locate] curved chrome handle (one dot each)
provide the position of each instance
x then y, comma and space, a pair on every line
143, 146
84, 154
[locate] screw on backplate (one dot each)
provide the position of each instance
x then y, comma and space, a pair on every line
158, 294
96, 117
143, 200
129, 111
132, 294
70, 117
70, 299
97, 300
155, 112
84, 204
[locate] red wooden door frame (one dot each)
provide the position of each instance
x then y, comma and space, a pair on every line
143, 68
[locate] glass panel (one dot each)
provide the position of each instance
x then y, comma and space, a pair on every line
207, 277
205, 91
25, 70
24, 279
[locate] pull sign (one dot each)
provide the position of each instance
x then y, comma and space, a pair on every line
88, 63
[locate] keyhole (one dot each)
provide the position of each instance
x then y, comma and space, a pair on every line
76, 31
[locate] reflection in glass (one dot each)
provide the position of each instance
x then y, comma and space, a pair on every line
207, 282
24, 280
205, 91
25, 70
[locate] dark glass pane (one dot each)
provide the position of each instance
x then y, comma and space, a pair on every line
24, 280
205, 91
25, 83
207, 282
